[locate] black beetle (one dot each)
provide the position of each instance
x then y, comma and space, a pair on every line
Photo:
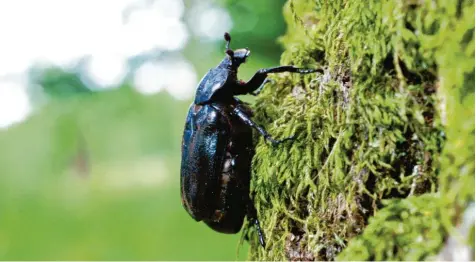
217, 145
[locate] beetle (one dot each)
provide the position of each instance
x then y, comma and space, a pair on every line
217, 145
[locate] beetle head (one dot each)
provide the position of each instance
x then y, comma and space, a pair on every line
238, 56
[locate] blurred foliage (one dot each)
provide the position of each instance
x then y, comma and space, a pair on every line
391, 116
257, 25
95, 177
57, 82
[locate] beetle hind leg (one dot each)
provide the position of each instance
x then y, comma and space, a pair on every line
260, 233
253, 218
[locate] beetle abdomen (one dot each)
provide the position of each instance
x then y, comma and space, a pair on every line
234, 179
229, 206
216, 162
203, 150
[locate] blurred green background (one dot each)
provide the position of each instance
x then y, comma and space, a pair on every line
92, 172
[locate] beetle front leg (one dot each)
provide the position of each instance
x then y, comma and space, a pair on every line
260, 88
259, 78
247, 120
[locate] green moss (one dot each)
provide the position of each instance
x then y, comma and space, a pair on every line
392, 116
407, 229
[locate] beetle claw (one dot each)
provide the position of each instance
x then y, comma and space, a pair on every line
278, 142
308, 71
258, 91
260, 233
261, 241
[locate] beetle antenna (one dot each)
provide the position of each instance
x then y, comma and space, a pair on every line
230, 53
228, 40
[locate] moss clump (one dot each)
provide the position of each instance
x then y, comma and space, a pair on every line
407, 229
398, 82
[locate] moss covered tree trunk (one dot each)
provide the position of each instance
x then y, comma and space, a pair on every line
383, 164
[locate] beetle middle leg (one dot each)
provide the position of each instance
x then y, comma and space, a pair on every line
247, 120
244, 107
